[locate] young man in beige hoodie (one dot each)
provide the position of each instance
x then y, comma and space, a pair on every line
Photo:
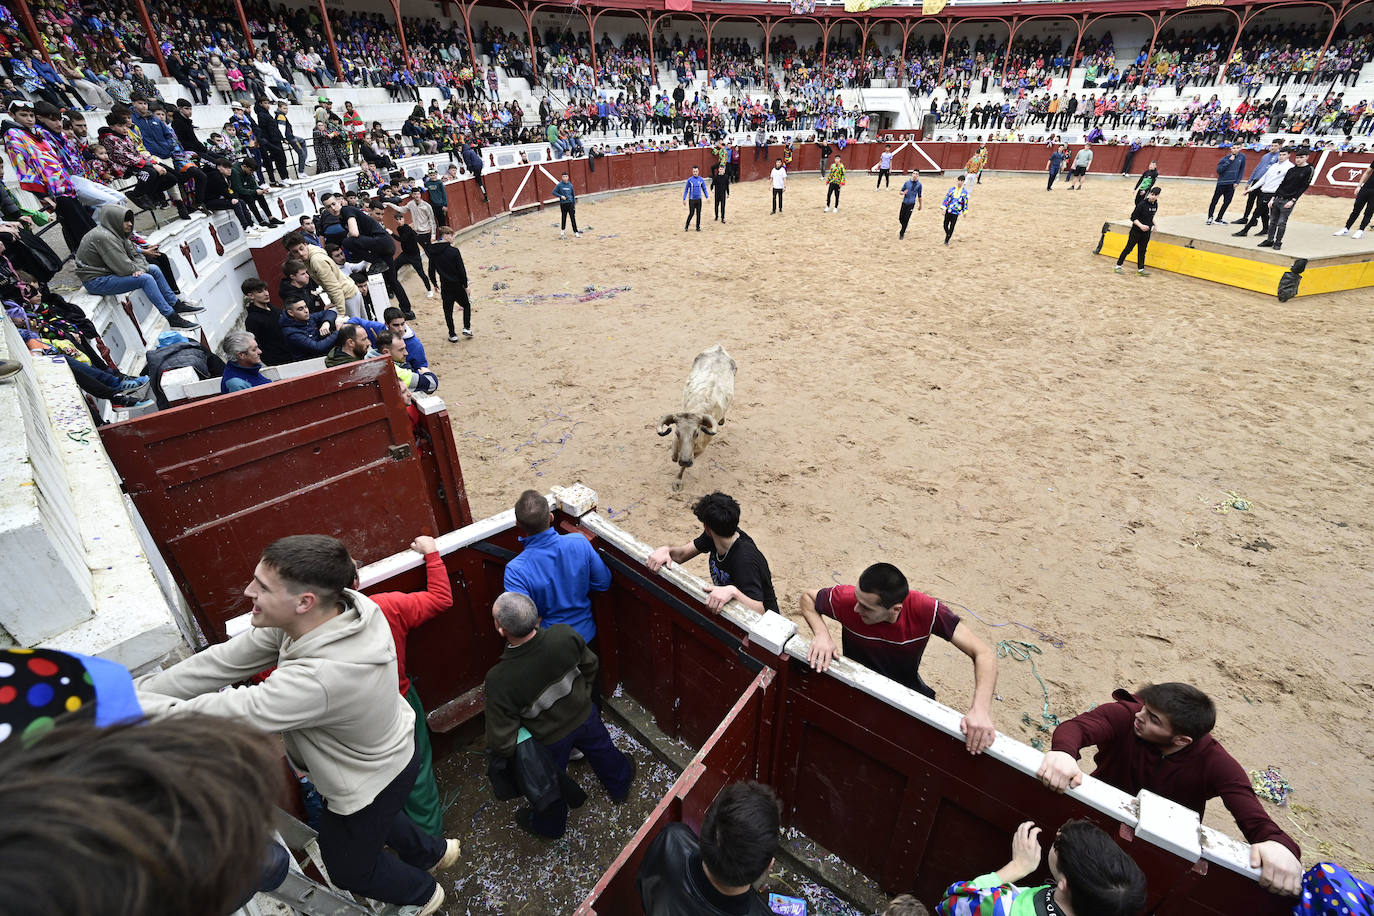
333, 698
342, 292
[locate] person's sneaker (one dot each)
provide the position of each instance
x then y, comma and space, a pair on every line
1240, 222
187, 308
578, 235
576, 754
435, 901
452, 850
274, 223
453, 338
129, 384
9, 368
524, 819
184, 324
1142, 272
1277, 245
429, 294
827, 209
409, 315
467, 332
128, 401
1116, 269
376, 267
1341, 231
1265, 244
1357, 234
1209, 221
629, 783
564, 233
1241, 234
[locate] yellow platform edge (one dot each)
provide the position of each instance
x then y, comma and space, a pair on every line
1241, 272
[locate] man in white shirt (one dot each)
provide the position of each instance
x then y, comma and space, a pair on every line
1264, 192
884, 168
779, 175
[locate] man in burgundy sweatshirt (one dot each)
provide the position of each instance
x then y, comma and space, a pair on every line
1160, 739
404, 612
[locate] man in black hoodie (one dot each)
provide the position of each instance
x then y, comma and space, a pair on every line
185, 129
446, 261
270, 142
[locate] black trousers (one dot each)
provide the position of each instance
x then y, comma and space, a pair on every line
1261, 201
370, 247
567, 212
1223, 193
1054, 173
74, 219
777, 200
950, 220
693, 208
455, 295
414, 261
904, 217
832, 189
1139, 239
257, 204
274, 157
1126, 166
240, 210
720, 207
1364, 200
884, 176
352, 846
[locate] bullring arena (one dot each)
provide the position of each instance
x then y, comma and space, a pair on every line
1114, 479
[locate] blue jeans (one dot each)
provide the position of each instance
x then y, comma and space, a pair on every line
98, 382
153, 284
610, 765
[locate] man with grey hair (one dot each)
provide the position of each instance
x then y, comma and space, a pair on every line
242, 363
543, 683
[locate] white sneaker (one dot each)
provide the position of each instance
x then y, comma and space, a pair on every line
563, 235
827, 209
1357, 234
1341, 231
429, 294
577, 235
452, 850
467, 332
435, 901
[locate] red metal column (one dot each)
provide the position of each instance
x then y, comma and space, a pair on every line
708, 51
243, 22
466, 10
591, 33
1083, 27
653, 63
26, 17
401, 33
901, 63
329, 36
1006, 56
944, 51
152, 37
534, 51
1240, 27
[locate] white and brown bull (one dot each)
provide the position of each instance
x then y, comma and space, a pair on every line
705, 398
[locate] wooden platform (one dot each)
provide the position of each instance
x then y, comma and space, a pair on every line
1312, 260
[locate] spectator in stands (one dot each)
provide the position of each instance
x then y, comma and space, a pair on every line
404, 612
42, 173
61, 139
264, 323
1160, 738
185, 130
1090, 873
559, 571
351, 345
343, 294
307, 231
108, 263
544, 682
174, 351
421, 380
220, 194
335, 701
243, 363
158, 137
446, 261
415, 350
887, 626
307, 335
288, 136
152, 178
715, 875
200, 790
244, 181
270, 142
739, 570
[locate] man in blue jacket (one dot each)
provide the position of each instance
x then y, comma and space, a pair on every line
692, 195
150, 119
473, 160
1230, 171
567, 204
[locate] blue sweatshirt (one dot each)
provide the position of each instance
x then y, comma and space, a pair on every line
1266, 161
911, 191
565, 193
1231, 169
696, 189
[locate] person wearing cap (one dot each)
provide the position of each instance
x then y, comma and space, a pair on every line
108, 262
1230, 171
331, 142
357, 130
41, 172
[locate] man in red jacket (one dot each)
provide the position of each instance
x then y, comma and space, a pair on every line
1160, 739
405, 611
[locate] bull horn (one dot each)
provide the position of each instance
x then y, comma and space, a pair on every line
708, 426
665, 426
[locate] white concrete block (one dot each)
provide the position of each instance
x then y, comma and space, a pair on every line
772, 631
1169, 825
576, 500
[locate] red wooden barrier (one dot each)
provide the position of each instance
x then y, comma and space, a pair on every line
1340, 174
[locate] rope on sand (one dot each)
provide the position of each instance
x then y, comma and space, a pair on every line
1044, 637
1022, 651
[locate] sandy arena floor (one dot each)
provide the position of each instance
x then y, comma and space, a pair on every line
1021, 431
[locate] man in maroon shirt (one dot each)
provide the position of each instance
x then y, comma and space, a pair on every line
1160, 739
887, 627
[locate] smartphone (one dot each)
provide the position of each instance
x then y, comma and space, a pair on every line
783, 905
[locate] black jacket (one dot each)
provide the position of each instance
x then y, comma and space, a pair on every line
532, 772
265, 325
446, 261
671, 881
186, 135
176, 356
217, 186
269, 134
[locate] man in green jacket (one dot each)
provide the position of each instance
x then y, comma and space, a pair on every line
543, 683
243, 179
